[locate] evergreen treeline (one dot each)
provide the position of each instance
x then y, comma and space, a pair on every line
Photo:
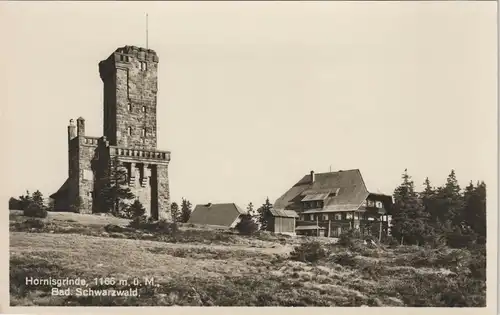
437, 216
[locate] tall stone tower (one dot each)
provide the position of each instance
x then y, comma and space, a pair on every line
130, 77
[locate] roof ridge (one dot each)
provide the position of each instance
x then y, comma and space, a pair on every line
339, 171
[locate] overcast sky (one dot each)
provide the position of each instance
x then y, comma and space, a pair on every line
252, 96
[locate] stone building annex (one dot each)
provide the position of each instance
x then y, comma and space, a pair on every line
130, 78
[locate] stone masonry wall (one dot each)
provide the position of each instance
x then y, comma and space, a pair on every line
141, 187
86, 174
163, 193
132, 73
73, 179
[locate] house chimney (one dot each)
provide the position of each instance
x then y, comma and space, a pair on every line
71, 130
312, 177
80, 126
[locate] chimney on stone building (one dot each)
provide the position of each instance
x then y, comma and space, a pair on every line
71, 130
80, 126
312, 177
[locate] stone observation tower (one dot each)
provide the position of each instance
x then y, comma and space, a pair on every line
130, 78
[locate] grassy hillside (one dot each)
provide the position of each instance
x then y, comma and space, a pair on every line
204, 267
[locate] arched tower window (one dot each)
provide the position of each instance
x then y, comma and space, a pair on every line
143, 132
143, 109
129, 131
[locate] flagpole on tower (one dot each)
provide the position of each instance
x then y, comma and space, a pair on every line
147, 39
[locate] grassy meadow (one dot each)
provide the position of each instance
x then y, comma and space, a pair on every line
202, 266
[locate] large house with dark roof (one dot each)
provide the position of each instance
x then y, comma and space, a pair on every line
329, 204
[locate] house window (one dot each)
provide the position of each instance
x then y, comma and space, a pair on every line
378, 204
306, 205
325, 217
356, 216
348, 216
311, 217
371, 203
338, 216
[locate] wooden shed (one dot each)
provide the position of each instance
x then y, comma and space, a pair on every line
281, 221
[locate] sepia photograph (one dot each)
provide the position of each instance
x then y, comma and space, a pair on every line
250, 154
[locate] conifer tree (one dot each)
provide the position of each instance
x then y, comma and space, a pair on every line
185, 210
428, 196
263, 213
410, 221
250, 210
24, 201
450, 203
174, 211
135, 210
36, 208
115, 191
475, 210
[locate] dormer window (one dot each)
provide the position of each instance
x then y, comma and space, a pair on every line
378, 204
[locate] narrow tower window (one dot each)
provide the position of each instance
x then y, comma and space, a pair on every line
143, 132
143, 109
129, 131
144, 66
129, 107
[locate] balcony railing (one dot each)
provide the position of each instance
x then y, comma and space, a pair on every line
141, 153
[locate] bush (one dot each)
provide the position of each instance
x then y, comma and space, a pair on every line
308, 252
35, 211
76, 205
345, 259
30, 224
247, 226
161, 226
112, 228
349, 238
390, 241
135, 210
15, 204
139, 222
